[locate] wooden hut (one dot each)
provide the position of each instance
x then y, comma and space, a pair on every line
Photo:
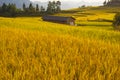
60, 19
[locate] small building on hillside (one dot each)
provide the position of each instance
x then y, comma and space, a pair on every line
60, 19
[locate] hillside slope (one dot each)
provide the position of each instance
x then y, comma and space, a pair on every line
34, 49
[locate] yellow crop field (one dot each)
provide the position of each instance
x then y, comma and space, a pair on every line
32, 49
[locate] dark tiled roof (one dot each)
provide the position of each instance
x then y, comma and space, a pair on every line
56, 18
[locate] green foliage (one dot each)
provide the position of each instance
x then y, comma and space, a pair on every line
49, 8
105, 3
24, 7
37, 8
11, 10
116, 23
4, 7
31, 8
58, 8
0, 9
8, 10
42, 9
54, 7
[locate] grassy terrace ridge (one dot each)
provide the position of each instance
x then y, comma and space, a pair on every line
93, 32
32, 49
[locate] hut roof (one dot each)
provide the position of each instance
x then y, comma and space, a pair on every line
56, 18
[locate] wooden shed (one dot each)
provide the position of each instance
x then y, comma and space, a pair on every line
60, 19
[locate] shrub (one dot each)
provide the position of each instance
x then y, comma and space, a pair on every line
116, 22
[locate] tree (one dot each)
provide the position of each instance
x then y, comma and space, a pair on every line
31, 8
49, 7
105, 3
42, 9
12, 10
4, 7
37, 8
58, 4
9, 10
24, 7
53, 7
116, 22
0, 9
83, 6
